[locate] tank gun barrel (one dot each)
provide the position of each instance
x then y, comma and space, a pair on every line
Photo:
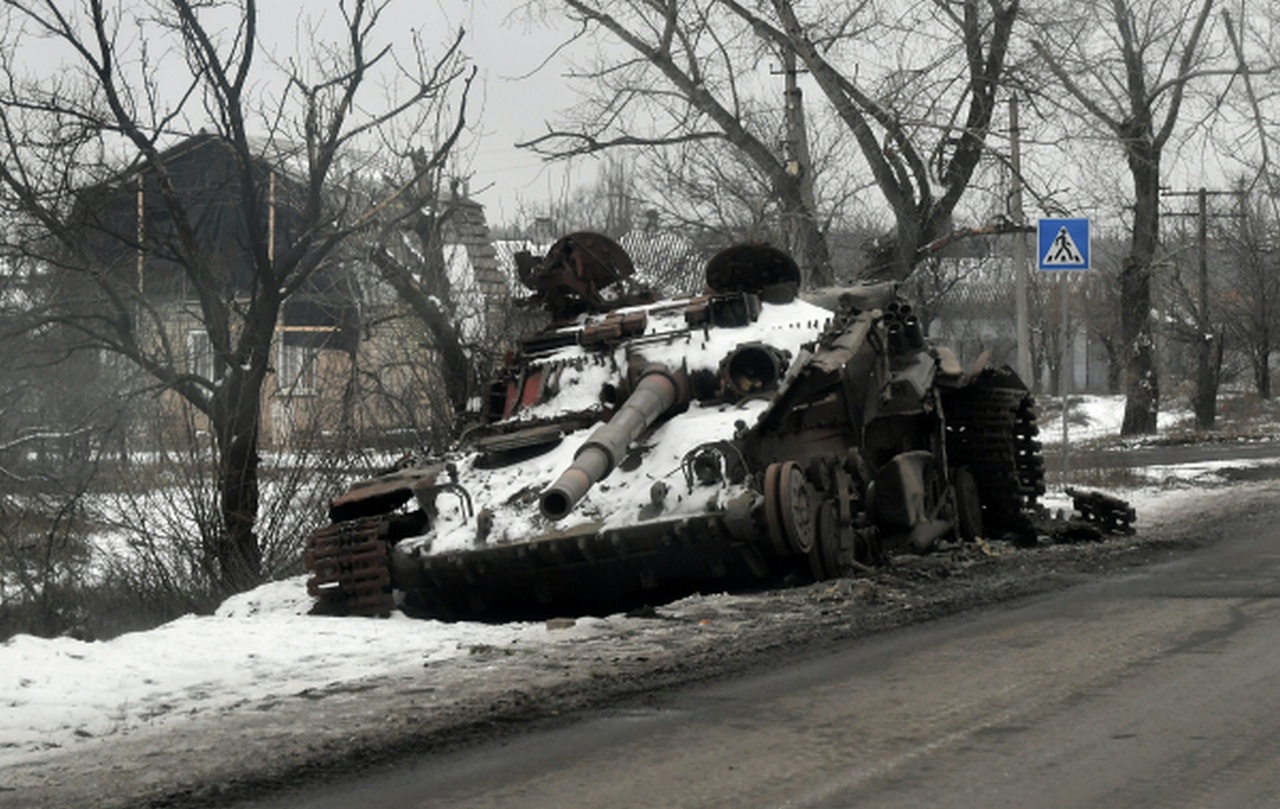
659, 391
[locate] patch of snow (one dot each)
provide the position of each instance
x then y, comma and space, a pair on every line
260, 646
1093, 417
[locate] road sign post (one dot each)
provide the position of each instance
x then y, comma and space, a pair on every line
1063, 245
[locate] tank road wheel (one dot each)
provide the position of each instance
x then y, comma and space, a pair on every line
350, 564
789, 508
842, 550
796, 499
968, 504
773, 511
824, 559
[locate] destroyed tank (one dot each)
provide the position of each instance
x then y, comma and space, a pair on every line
638, 451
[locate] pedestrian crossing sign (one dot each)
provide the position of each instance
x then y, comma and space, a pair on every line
1064, 244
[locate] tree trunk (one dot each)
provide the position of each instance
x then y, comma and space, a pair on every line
1141, 386
805, 240
894, 257
1262, 372
446, 340
1208, 362
237, 427
350, 393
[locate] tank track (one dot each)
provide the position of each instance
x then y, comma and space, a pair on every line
991, 429
350, 562
1030, 458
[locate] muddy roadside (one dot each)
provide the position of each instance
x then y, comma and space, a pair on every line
388, 716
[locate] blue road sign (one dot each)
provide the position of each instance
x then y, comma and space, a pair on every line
1064, 244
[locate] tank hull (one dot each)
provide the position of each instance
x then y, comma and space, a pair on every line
641, 453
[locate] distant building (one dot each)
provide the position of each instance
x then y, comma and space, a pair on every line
346, 359
968, 303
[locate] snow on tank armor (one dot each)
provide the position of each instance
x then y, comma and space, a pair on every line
637, 452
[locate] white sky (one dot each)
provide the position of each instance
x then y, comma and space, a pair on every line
518, 103
519, 82
519, 85
519, 93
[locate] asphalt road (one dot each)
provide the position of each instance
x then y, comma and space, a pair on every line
1159, 688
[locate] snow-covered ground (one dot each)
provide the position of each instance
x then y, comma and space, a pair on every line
259, 647
1092, 417
262, 647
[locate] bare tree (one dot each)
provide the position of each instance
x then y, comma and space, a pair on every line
1252, 303
420, 277
1102, 302
610, 204
1251, 300
288, 131
683, 80
1253, 46
920, 112
706, 192
1128, 64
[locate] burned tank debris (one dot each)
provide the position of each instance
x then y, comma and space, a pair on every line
640, 450
1111, 514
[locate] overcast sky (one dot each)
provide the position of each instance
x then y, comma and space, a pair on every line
519, 82
519, 90
519, 85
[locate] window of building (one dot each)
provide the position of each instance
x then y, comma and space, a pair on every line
199, 354
297, 369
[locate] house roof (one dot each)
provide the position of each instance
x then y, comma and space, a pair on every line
468, 227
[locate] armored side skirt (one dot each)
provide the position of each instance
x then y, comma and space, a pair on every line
586, 570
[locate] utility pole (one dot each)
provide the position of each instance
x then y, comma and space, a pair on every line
1209, 345
795, 153
798, 163
1019, 244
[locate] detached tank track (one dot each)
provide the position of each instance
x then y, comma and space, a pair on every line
992, 430
351, 566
